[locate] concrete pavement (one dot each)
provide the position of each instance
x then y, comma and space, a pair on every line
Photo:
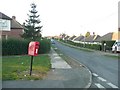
62, 75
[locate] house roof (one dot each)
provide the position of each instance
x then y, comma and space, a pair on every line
3, 16
91, 38
66, 37
96, 38
106, 37
63, 35
71, 38
16, 25
79, 38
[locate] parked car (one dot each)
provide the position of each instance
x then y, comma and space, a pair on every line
52, 41
116, 47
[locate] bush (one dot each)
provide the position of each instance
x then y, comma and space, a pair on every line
20, 47
109, 44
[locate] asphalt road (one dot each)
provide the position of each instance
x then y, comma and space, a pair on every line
103, 68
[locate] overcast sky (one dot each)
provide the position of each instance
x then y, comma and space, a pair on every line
73, 17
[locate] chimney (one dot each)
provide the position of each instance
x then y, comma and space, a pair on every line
13, 17
23, 23
93, 33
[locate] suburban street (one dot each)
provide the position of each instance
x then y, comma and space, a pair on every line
104, 68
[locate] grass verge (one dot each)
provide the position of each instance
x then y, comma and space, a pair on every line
116, 57
18, 67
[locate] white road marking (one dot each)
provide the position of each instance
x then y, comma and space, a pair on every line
100, 78
80, 65
94, 74
55, 54
55, 48
99, 85
112, 85
57, 57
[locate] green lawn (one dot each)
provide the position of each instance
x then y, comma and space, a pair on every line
18, 67
0, 67
112, 56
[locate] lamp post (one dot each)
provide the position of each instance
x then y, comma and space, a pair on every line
105, 47
84, 41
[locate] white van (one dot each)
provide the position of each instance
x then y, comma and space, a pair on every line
116, 46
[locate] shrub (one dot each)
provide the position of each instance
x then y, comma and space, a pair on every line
109, 44
20, 47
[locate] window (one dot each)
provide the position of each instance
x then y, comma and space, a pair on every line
4, 36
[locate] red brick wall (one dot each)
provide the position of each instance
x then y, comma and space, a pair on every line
14, 33
7, 33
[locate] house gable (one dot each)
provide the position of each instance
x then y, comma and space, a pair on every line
15, 24
79, 38
3, 16
116, 36
16, 29
106, 37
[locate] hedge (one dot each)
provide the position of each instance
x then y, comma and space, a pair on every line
90, 46
93, 46
20, 47
109, 45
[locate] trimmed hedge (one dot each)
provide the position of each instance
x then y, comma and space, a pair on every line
90, 46
45, 46
109, 45
20, 47
93, 46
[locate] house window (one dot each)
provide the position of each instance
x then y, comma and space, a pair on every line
4, 36
5, 25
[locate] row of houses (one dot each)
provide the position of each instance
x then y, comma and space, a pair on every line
10, 27
92, 39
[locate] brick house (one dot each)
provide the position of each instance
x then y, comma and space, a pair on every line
9, 27
116, 35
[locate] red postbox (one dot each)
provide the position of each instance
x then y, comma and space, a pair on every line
33, 48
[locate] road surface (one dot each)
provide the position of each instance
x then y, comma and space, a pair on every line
104, 69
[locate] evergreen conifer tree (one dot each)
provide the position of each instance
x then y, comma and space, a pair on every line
32, 29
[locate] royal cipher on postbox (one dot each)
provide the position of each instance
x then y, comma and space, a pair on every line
33, 48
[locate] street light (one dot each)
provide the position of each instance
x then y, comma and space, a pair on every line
105, 47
